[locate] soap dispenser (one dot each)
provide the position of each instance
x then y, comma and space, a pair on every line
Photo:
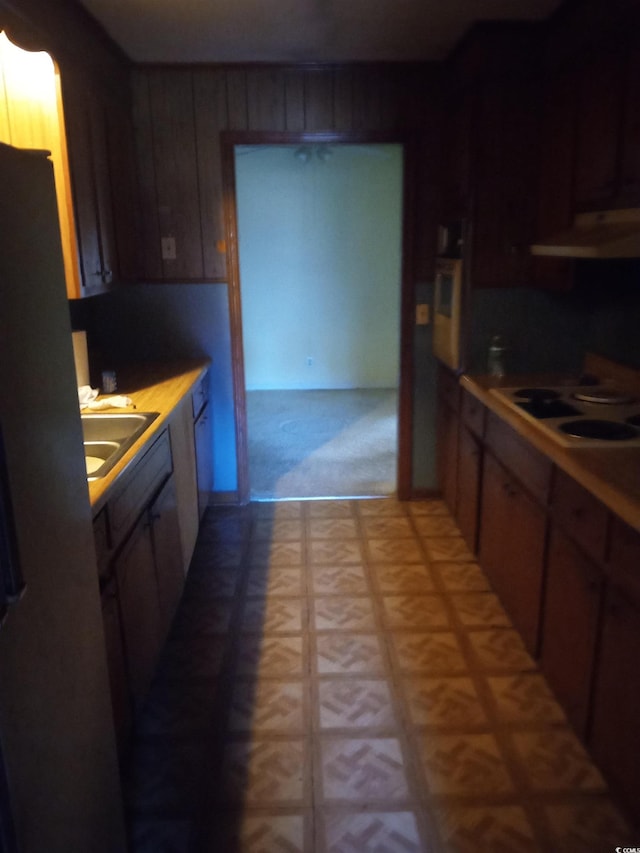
496, 359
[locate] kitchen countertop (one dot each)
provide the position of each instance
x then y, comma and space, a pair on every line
153, 387
610, 474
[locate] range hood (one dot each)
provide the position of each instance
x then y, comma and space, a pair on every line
601, 234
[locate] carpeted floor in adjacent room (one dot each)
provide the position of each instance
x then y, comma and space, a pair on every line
322, 443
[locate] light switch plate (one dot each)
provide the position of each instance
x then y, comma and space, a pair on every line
168, 248
422, 314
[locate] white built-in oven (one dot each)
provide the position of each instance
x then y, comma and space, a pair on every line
446, 311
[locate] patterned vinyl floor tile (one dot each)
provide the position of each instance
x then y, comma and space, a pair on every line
402, 578
555, 760
436, 526
332, 528
386, 506
330, 509
276, 581
277, 657
339, 580
362, 770
337, 552
387, 527
466, 829
260, 831
524, 698
415, 611
274, 615
371, 832
461, 577
355, 703
267, 706
430, 507
444, 702
277, 530
344, 654
394, 551
436, 653
448, 548
265, 772
464, 764
341, 613
341, 678
500, 649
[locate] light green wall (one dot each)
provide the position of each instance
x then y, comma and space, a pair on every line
320, 266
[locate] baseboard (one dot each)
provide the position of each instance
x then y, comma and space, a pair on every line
218, 498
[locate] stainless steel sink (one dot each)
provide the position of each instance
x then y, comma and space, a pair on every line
107, 437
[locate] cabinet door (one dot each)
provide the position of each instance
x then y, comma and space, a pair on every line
120, 699
555, 178
184, 474
469, 468
504, 176
90, 180
512, 547
615, 730
573, 592
167, 550
139, 609
598, 130
204, 459
629, 190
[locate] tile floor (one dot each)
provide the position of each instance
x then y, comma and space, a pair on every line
341, 678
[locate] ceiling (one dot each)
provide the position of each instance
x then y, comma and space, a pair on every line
297, 31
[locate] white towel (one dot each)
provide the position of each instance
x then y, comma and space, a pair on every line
87, 399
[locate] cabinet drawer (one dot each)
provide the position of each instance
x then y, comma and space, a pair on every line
531, 467
140, 485
580, 514
473, 413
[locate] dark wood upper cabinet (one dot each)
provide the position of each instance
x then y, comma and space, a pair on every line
629, 175
600, 100
555, 207
490, 149
99, 143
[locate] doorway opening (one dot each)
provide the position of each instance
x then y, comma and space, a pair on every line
318, 304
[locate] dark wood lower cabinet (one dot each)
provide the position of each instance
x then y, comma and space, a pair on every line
139, 609
512, 547
165, 527
571, 610
120, 700
615, 728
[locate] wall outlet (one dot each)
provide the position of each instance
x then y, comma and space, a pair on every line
309, 361
168, 248
422, 314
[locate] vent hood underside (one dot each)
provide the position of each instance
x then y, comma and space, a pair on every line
602, 234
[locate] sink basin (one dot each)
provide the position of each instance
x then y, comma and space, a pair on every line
107, 437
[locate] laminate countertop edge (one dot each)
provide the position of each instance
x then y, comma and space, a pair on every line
153, 387
611, 474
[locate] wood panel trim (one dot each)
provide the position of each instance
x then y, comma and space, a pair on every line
407, 298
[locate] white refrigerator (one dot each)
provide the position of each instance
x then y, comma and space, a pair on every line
56, 729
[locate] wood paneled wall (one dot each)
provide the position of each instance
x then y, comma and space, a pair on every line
179, 113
